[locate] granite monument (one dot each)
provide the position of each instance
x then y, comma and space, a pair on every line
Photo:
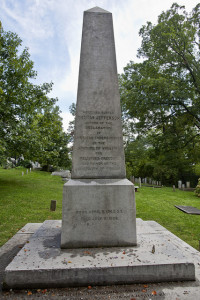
98, 201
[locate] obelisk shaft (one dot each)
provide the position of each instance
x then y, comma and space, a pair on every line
98, 144
98, 202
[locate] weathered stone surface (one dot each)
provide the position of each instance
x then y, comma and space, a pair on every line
63, 173
189, 209
98, 203
98, 212
41, 263
98, 146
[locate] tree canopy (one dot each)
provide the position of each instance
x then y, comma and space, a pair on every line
30, 124
161, 95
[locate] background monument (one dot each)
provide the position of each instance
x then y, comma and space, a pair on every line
98, 202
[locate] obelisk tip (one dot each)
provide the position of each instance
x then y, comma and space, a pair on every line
97, 9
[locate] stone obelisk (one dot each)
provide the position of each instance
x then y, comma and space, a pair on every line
98, 202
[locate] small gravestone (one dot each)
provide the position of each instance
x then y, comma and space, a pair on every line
62, 173
189, 209
179, 184
53, 205
183, 186
174, 188
188, 184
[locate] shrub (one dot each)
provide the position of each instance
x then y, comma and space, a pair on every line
197, 191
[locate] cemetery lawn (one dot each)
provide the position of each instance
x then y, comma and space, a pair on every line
26, 199
157, 204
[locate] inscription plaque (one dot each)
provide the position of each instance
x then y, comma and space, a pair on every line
98, 144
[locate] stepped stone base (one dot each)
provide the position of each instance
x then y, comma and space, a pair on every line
98, 213
159, 256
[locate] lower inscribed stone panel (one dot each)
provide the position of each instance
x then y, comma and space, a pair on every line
98, 213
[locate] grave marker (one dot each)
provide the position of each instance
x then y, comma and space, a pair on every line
98, 199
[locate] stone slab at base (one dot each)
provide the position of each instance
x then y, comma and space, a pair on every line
98, 213
42, 264
188, 209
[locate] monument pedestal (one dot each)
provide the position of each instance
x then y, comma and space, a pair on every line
98, 213
41, 263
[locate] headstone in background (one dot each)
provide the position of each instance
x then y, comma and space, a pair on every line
174, 188
139, 181
53, 205
62, 173
180, 184
188, 184
98, 202
183, 186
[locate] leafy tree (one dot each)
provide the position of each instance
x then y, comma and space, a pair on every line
49, 142
29, 120
162, 93
167, 83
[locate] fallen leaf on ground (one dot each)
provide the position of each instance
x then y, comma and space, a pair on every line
124, 252
44, 291
145, 285
144, 291
69, 262
89, 287
154, 293
29, 293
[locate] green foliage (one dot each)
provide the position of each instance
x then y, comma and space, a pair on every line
161, 95
197, 190
24, 163
70, 129
150, 156
30, 124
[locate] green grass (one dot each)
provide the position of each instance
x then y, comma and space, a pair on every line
158, 205
26, 199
